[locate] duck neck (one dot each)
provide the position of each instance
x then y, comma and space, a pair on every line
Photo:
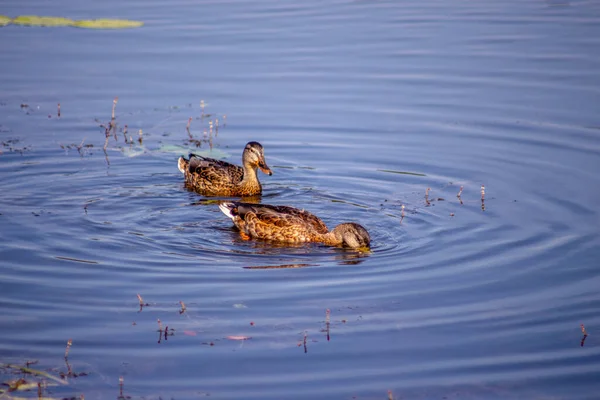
330, 239
250, 178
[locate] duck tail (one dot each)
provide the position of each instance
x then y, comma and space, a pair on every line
183, 164
229, 209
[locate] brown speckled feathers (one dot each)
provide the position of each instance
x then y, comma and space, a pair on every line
292, 225
211, 177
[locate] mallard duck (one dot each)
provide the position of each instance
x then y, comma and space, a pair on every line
291, 225
211, 177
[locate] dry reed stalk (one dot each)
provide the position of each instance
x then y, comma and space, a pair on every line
116, 99
402, 213
69, 343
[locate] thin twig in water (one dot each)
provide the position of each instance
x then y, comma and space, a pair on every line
114, 106
106, 155
80, 147
482, 198
187, 128
585, 335
327, 322
113, 128
305, 338
69, 343
142, 303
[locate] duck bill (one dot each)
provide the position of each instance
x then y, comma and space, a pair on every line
264, 167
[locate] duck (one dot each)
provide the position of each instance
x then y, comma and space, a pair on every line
287, 224
211, 177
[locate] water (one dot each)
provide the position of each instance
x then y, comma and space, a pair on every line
459, 300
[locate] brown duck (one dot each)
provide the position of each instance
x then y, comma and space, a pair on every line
291, 225
211, 177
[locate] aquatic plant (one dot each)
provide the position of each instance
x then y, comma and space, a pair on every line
36, 20
107, 24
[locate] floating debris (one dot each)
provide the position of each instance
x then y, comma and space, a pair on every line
401, 172
239, 337
36, 20
107, 24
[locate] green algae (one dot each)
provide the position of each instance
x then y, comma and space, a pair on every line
107, 24
35, 20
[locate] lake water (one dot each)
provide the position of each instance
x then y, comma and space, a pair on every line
361, 107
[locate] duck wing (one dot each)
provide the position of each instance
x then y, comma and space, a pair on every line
214, 170
282, 216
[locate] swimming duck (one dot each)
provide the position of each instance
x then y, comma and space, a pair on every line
291, 225
211, 177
